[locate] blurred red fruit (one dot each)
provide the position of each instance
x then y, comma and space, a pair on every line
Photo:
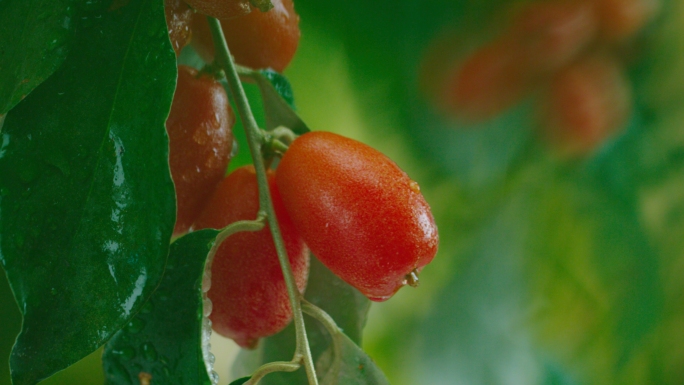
552, 34
587, 103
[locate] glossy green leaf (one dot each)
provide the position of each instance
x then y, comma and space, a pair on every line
34, 40
351, 366
281, 85
346, 305
165, 339
86, 197
277, 97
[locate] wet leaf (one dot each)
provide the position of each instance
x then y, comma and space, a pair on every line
87, 202
165, 339
36, 36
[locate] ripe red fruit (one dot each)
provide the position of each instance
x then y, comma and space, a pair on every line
221, 9
200, 141
587, 102
490, 80
358, 212
257, 40
550, 35
178, 19
248, 290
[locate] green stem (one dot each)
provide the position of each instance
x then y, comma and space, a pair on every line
278, 366
255, 140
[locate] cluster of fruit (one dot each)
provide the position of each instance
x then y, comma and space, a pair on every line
572, 52
346, 202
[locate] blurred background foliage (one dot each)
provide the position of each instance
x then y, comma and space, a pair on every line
551, 270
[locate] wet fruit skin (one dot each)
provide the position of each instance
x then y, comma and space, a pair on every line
178, 19
256, 40
361, 215
200, 142
221, 9
248, 290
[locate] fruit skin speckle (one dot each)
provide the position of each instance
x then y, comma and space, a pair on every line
361, 215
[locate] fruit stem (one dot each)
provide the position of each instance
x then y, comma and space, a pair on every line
254, 138
278, 366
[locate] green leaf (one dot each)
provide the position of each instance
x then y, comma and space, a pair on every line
86, 197
352, 366
35, 36
165, 338
276, 94
346, 305
240, 381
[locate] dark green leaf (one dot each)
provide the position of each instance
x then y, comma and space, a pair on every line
165, 339
34, 40
352, 366
276, 95
346, 305
240, 381
86, 197
280, 84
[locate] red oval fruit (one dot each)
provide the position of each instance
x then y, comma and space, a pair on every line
178, 19
257, 40
221, 9
357, 211
248, 290
200, 141
490, 80
551, 34
587, 102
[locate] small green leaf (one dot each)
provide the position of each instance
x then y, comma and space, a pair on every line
352, 366
86, 197
164, 339
35, 36
277, 97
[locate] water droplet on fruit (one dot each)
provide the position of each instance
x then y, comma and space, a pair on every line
414, 187
149, 352
214, 377
207, 307
53, 291
135, 326
206, 282
234, 149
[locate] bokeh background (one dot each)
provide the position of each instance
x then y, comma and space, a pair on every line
551, 269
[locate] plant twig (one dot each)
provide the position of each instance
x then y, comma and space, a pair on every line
278, 366
255, 140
